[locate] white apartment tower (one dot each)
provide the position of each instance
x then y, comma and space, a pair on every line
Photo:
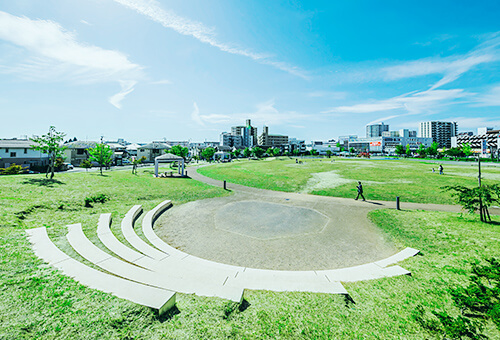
440, 132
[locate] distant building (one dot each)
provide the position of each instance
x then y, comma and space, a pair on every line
19, 151
375, 130
247, 132
231, 141
485, 143
152, 150
440, 132
266, 140
295, 144
387, 145
77, 152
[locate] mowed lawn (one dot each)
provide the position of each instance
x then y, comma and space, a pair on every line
412, 181
37, 302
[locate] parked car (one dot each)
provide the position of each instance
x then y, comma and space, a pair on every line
67, 166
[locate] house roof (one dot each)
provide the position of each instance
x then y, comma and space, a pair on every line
16, 143
81, 145
156, 145
169, 156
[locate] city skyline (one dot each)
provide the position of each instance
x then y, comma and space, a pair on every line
148, 70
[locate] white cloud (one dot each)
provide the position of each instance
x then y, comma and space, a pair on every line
450, 68
476, 122
162, 82
407, 104
492, 98
127, 87
85, 22
195, 115
57, 55
204, 34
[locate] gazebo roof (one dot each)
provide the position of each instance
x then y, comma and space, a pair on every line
169, 157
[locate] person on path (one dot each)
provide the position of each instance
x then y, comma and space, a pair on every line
360, 191
441, 169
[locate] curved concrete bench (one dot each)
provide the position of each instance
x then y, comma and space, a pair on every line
165, 279
159, 299
134, 239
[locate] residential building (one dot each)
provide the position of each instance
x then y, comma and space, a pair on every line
266, 140
77, 152
230, 140
152, 150
295, 144
440, 132
375, 130
387, 145
247, 132
19, 151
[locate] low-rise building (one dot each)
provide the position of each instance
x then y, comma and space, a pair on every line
152, 150
485, 143
387, 145
267, 141
77, 152
20, 152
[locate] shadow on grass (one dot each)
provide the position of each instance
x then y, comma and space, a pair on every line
43, 182
168, 315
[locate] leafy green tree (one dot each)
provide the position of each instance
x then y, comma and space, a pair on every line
400, 150
208, 154
433, 149
86, 164
257, 152
247, 152
269, 151
408, 150
477, 198
454, 152
179, 150
102, 154
50, 144
276, 152
337, 145
236, 153
467, 149
296, 152
422, 150
352, 150
329, 153
135, 163
13, 169
314, 152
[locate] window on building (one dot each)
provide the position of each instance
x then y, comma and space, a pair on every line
12, 154
79, 151
6, 150
25, 150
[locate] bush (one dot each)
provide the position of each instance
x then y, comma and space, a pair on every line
14, 169
101, 198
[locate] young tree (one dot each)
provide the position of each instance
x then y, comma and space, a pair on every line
433, 149
208, 153
329, 152
422, 150
467, 149
179, 150
276, 152
247, 152
50, 144
400, 150
236, 153
102, 154
296, 152
257, 152
352, 150
408, 150
86, 164
476, 199
135, 163
314, 152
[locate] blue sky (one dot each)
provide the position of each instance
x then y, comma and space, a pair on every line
146, 70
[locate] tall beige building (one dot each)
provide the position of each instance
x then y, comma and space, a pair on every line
267, 140
440, 132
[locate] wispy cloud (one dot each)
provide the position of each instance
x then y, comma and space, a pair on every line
451, 68
57, 55
492, 98
204, 34
127, 87
161, 82
407, 104
85, 22
476, 122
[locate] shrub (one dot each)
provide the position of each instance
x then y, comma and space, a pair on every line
13, 169
101, 198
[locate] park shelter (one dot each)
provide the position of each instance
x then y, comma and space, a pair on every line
169, 158
222, 155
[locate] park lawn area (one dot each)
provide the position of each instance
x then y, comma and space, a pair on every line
37, 302
412, 181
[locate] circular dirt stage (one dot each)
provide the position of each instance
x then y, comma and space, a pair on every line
276, 231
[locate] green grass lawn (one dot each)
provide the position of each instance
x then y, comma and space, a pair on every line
412, 181
37, 302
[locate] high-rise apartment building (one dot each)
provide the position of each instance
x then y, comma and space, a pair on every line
247, 132
375, 130
440, 132
267, 140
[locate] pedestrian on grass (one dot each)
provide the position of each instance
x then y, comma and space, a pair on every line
360, 191
433, 170
441, 169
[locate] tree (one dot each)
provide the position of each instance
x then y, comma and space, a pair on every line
86, 164
247, 152
102, 154
314, 152
352, 150
400, 150
337, 145
179, 150
454, 152
257, 152
296, 152
476, 199
433, 149
269, 151
408, 150
236, 153
50, 144
422, 150
467, 149
208, 153
135, 163
276, 152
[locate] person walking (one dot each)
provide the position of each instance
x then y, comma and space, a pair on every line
441, 169
360, 191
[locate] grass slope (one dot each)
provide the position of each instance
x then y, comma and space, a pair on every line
412, 181
36, 302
